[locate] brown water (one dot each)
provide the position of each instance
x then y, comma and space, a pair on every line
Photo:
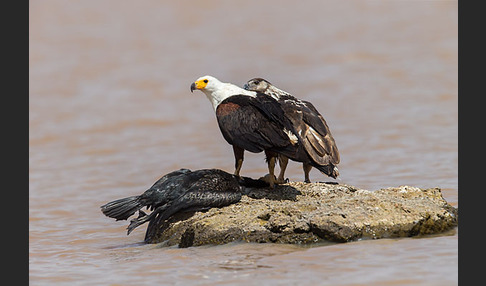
111, 112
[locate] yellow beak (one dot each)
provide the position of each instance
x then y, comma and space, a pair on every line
198, 84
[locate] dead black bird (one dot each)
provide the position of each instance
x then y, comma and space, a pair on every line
181, 191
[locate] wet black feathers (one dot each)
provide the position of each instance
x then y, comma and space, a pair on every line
179, 191
156, 195
123, 208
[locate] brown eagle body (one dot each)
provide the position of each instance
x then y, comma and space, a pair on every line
311, 128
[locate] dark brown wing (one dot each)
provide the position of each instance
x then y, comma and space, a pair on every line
312, 130
319, 135
248, 124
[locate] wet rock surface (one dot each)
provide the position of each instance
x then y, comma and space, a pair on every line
306, 213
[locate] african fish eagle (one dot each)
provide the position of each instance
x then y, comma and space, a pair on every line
310, 127
255, 122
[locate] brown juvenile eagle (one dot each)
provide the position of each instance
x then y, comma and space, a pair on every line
310, 127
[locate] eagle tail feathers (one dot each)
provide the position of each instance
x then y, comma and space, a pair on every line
330, 170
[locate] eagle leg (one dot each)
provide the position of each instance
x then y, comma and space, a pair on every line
282, 161
307, 168
271, 160
238, 152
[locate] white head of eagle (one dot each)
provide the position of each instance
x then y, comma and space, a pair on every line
217, 91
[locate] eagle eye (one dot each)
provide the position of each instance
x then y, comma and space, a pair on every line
205, 81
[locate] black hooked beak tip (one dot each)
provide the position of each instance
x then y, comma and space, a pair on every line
245, 86
193, 86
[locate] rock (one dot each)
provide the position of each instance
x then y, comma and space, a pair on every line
306, 213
